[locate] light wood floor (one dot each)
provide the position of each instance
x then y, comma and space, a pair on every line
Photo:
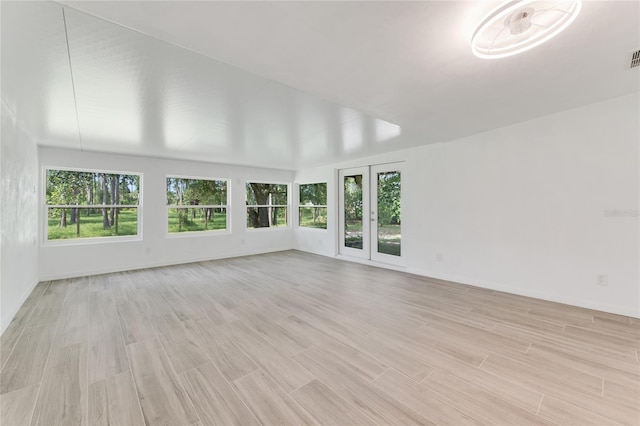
292, 338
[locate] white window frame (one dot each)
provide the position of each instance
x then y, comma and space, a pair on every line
287, 206
210, 232
44, 222
299, 206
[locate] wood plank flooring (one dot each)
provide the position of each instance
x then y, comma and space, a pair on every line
294, 338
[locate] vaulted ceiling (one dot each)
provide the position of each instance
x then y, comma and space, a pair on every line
291, 84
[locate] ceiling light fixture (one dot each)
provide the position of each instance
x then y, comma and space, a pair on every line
517, 26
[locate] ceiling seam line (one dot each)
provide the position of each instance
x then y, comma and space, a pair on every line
73, 84
270, 79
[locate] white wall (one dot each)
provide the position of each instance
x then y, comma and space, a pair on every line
19, 218
539, 208
155, 248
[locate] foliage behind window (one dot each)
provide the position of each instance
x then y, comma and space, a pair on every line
87, 204
196, 204
389, 198
313, 205
266, 205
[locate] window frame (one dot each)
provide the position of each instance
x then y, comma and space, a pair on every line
287, 206
210, 232
299, 206
44, 210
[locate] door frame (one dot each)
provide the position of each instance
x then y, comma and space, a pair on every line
373, 206
369, 250
366, 227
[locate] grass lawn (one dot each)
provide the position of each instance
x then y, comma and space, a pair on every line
217, 221
91, 226
306, 217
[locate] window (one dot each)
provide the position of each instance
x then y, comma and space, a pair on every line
312, 208
88, 204
266, 205
196, 205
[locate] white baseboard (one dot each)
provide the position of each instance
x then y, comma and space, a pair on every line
371, 263
614, 309
7, 317
110, 270
355, 259
318, 252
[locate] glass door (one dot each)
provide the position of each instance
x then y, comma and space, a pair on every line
386, 213
354, 212
371, 212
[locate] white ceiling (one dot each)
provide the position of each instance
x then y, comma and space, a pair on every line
292, 84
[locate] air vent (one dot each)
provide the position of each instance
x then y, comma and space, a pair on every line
635, 59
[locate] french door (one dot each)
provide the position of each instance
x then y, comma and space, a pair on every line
371, 212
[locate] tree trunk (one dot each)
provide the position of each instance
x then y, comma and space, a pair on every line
115, 199
74, 214
77, 217
92, 192
105, 200
63, 218
272, 211
206, 218
260, 219
89, 197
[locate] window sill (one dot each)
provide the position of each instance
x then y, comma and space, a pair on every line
193, 234
87, 241
312, 229
269, 229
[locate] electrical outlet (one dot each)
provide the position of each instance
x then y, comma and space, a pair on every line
603, 280
439, 257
